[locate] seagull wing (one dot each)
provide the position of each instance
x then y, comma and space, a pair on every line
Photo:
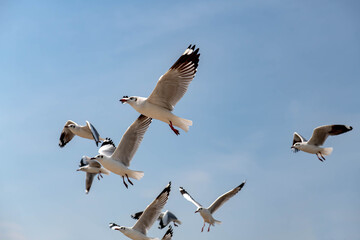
107, 147
152, 211
89, 181
187, 196
168, 235
223, 198
94, 133
321, 133
131, 140
66, 134
298, 138
172, 86
136, 215
94, 164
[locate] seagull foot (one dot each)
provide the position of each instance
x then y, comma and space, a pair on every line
202, 229
125, 182
174, 129
129, 179
209, 228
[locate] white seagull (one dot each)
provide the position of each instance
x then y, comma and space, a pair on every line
147, 219
317, 139
206, 213
170, 88
117, 159
165, 218
92, 168
71, 129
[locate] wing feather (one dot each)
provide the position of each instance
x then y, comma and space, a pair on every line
321, 133
187, 196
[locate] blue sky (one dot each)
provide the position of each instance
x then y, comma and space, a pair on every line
267, 69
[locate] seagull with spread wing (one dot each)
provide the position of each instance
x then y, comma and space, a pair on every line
71, 129
92, 168
317, 139
147, 219
170, 88
117, 159
206, 213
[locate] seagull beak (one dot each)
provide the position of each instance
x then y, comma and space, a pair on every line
196, 211
123, 100
292, 147
92, 158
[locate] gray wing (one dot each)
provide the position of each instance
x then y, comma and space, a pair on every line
152, 211
94, 133
89, 181
167, 218
298, 138
321, 133
187, 196
225, 197
172, 86
66, 134
107, 148
131, 140
168, 235
94, 164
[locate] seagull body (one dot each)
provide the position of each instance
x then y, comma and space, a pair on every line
117, 159
170, 88
318, 138
206, 213
164, 218
92, 168
71, 129
147, 219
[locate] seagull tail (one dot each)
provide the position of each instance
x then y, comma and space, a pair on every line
217, 221
135, 174
184, 124
327, 151
177, 221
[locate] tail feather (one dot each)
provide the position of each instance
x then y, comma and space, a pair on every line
177, 221
184, 124
327, 151
136, 174
217, 221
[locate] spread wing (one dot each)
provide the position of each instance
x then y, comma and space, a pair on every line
89, 181
152, 211
131, 140
168, 235
298, 138
66, 134
225, 197
321, 133
94, 133
172, 86
107, 148
187, 196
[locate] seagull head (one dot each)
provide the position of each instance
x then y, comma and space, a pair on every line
127, 99
297, 146
98, 157
70, 126
199, 210
114, 226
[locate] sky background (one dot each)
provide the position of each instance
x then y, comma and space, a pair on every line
267, 69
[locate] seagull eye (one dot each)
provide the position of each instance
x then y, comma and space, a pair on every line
131, 98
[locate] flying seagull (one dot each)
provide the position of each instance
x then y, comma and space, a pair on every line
168, 235
92, 168
147, 219
206, 213
170, 88
165, 218
317, 139
71, 129
117, 159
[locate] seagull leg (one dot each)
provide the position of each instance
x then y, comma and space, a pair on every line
175, 225
124, 182
203, 227
129, 179
174, 130
317, 154
322, 156
209, 227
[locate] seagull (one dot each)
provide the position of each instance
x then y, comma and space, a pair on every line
147, 219
71, 129
317, 139
168, 235
92, 168
206, 213
165, 218
117, 159
170, 88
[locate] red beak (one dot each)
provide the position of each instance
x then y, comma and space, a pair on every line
123, 100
